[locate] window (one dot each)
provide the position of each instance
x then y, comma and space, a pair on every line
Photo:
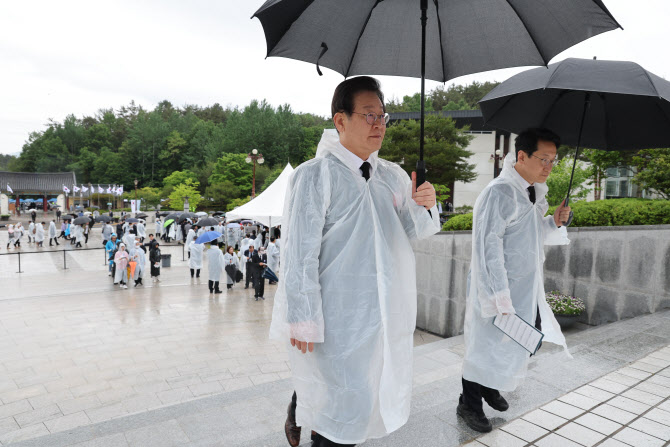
612, 189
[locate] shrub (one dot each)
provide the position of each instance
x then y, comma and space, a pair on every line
600, 213
458, 222
561, 304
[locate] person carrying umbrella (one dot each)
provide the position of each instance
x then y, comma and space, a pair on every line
231, 263
346, 299
506, 274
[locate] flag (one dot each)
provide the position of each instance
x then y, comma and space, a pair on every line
75, 188
100, 190
119, 190
9, 189
83, 188
109, 190
66, 190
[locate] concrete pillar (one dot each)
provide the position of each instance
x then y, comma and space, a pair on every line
17, 205
45, 207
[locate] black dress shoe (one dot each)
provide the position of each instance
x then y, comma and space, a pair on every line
290, 428
497, 402
477, 422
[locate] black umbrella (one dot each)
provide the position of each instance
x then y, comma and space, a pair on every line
103, 218
608, 105
185, 216
165, 213
207, 222
455, 38
81, 220
132, 220
219, 213
174, 216
142, 216
68, 217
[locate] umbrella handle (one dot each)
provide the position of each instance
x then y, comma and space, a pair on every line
420, 173
569, 221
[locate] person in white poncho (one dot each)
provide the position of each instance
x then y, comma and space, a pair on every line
347, 292
506, 274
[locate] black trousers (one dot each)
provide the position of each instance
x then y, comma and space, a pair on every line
474, 392
249, 275
259, 284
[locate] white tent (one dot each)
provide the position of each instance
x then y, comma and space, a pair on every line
268, 206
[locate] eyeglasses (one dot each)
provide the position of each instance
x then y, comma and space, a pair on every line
546, 162
372, 118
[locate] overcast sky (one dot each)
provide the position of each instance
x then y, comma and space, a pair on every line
58, 58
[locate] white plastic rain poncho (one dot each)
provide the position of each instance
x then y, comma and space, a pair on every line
229, 259
129, 240
159, 228
141, 231
348, 283
52, 229
171, 232
196, 250
273, 257
215, 263
107, 231
39, 233
138, 255
506, 276
31, 229
190, 237
77, 233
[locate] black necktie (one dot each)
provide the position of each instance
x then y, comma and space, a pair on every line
365, 167
531, 191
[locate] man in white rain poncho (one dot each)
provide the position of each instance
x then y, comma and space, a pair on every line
347, 295
506, 274
141, 231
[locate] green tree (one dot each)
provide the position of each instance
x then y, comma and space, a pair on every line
237, 203
445, 150
653, 171
441, 193
223, 193
409, 104
188, 188
149, 196
177, 178
559, 180
233, 168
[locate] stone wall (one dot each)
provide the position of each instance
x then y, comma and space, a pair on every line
619, 272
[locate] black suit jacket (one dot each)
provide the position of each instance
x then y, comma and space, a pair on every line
256, 260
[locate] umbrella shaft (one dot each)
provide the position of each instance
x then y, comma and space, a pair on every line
587, 101
420, 168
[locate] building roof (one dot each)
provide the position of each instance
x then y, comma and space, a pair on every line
473, 118
36, 182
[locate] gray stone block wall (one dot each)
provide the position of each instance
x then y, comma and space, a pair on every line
619, 272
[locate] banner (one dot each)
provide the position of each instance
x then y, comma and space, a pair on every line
135, 206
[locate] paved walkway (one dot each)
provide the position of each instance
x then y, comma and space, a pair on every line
628, 407
83, 363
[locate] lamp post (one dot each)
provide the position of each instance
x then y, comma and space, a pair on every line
254, 157
136, 207
186, 207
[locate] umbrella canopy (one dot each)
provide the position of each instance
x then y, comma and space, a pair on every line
623, 106
68, 217
55, 206
201, 214
269, 274
233, 225
87, 213
132, 220
168, 222
219, 213
142, 216
174, 216
208, 237
52, 200
103, 218
184, 216
81, 220
452, 38
609, 105
165, 213
207, 222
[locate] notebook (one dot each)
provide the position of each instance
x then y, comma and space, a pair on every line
520, 331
